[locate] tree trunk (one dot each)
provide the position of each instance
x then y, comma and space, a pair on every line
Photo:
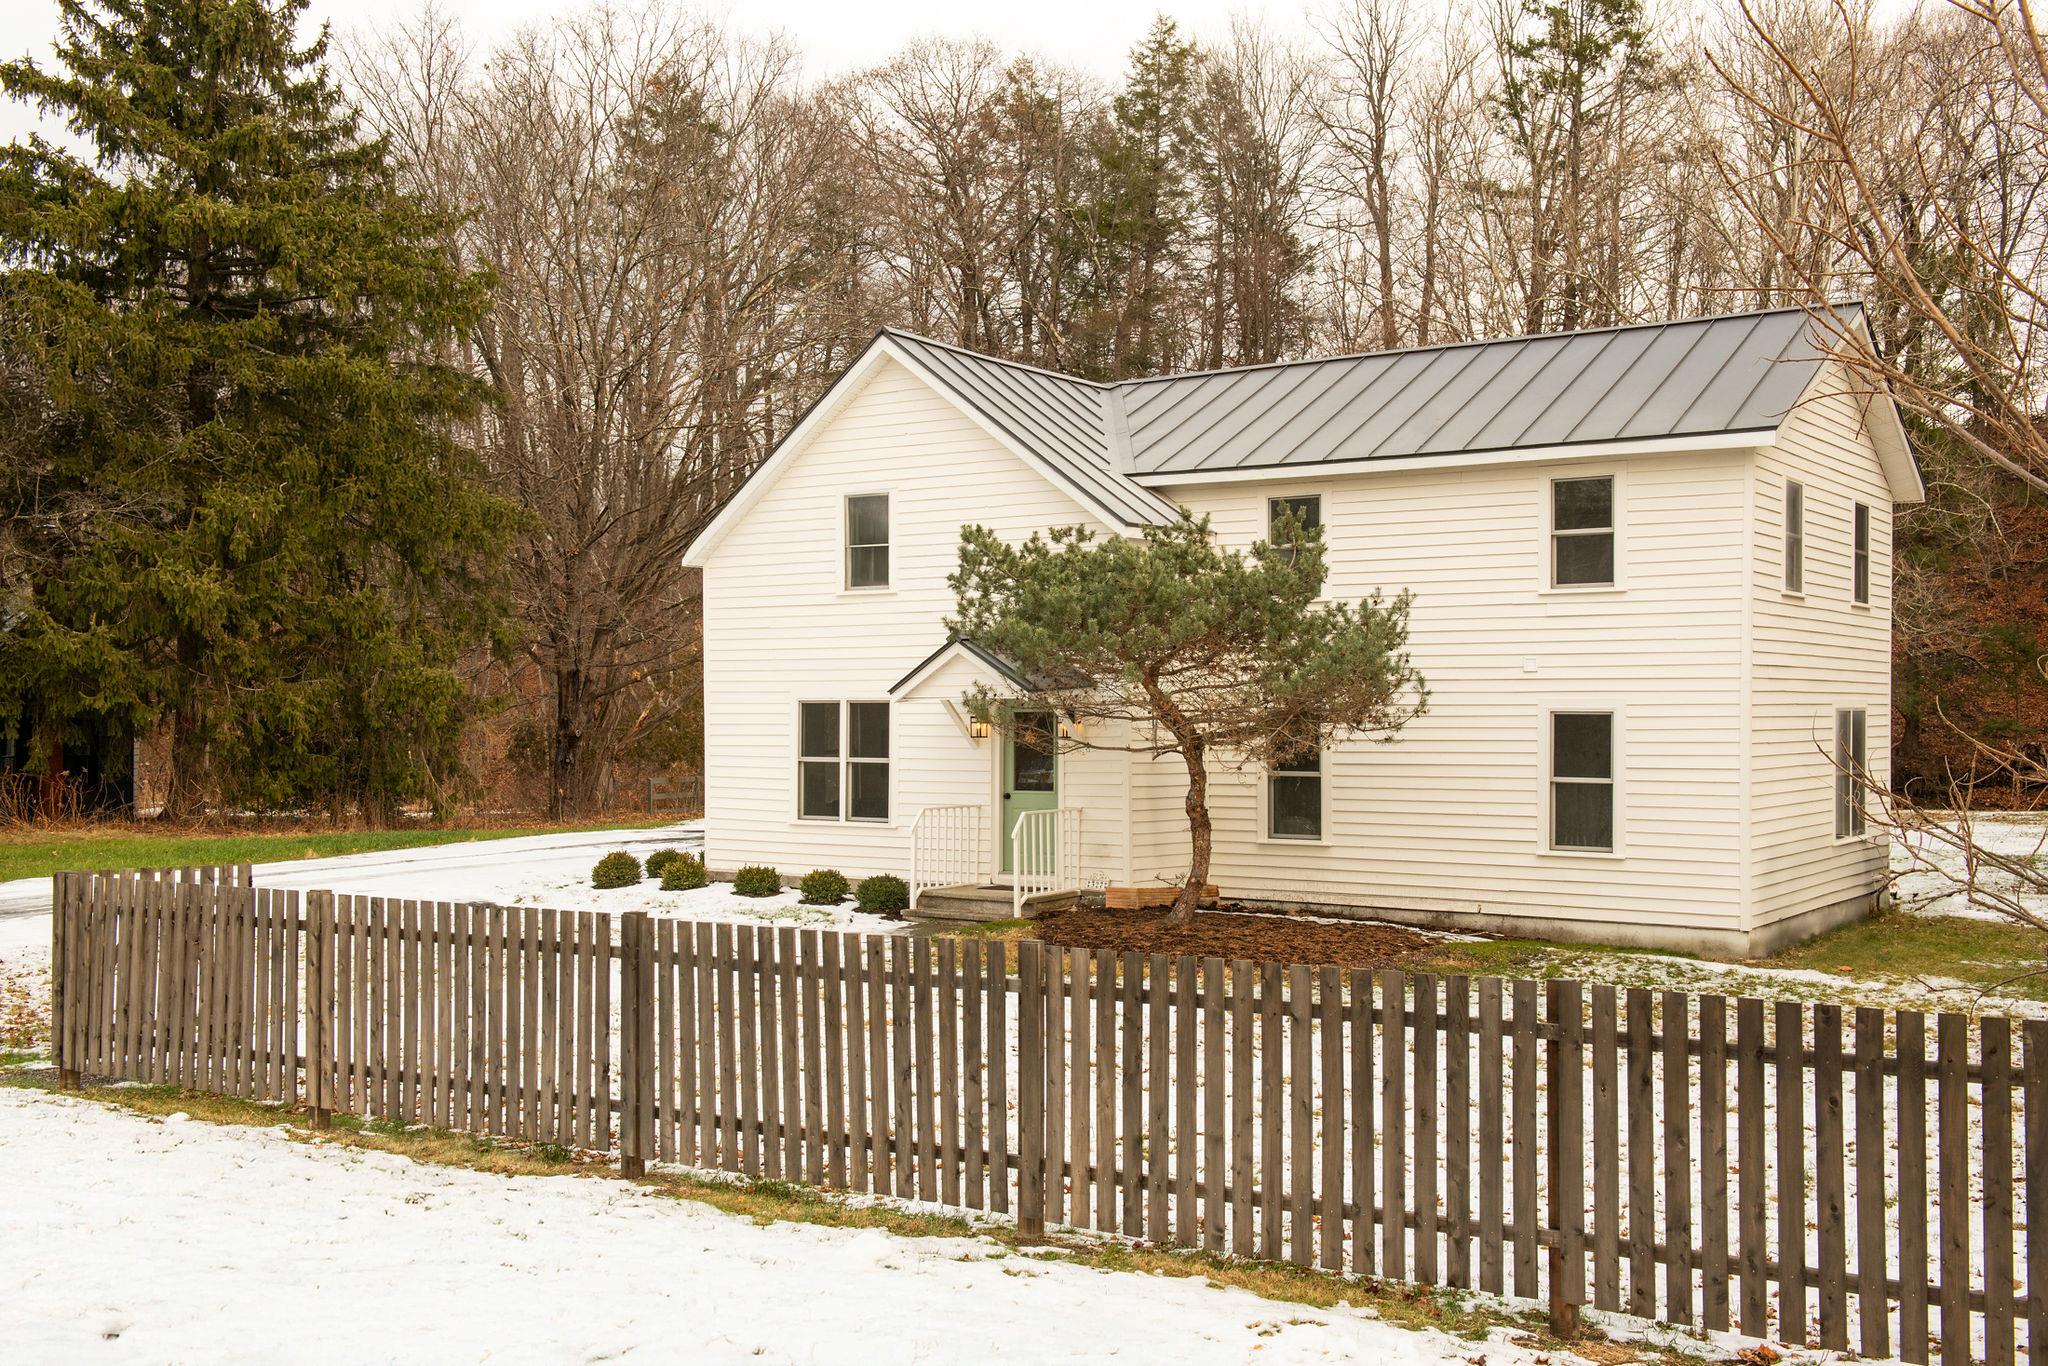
1201, 840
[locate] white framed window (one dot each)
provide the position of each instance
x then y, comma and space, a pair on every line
1852, 762
1859, 581
867, 540
1795, 537
1307, 509
842, 766
1294, 798
1582, 532
1582, 786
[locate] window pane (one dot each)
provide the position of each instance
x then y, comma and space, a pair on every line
867, 567
1033, 747
1307, 510
1862, 588
867, 726
867, 519
1584, 559
1582, 745
867, 797
1582, 815
818, 782
1582, 504
820, 737
1294, 807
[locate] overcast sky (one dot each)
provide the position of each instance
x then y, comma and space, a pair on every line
835, 35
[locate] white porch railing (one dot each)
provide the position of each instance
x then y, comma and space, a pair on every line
1045, 851
945, 848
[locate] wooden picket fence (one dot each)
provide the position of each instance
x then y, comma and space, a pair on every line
1766, 1166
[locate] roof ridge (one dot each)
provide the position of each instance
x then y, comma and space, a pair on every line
905, 334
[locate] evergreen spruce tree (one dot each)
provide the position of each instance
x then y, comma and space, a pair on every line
262, 525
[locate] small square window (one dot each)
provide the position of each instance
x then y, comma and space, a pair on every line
1307, 511
1294, 798
867, 541
1582, 532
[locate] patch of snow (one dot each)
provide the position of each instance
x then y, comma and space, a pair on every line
125, 1239
1927, 873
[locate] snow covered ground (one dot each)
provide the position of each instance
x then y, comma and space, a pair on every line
1926, 871
125, 1238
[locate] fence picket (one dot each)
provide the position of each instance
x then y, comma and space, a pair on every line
1953, 1131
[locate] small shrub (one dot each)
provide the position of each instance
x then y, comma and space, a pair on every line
757, 881
660, 859
825, 887
683, 873
883, 894
616, 869
553, 1152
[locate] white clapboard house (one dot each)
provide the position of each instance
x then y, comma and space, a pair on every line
1652, 578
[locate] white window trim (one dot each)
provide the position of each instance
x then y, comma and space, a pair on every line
1835, 774
1572, 706
1869, 583
844, 762
1785, 539
846, 585
1264, 804
1547, 584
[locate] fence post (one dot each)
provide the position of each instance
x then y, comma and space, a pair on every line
636, 1043
1566, 1168
1031, 1091
63, 887
319, 1008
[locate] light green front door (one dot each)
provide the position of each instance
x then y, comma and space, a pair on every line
1031, 776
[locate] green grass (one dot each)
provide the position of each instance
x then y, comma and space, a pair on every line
1983, 953
31, 852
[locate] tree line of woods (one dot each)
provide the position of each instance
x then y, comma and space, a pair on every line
352, 396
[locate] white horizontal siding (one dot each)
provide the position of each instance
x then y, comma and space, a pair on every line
1450, 815
778, 630
1816, 652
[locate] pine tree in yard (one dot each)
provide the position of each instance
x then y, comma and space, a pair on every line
1169, 644
260, 522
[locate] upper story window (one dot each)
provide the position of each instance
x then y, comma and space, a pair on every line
1582, 532
1852, 762
867, 540
1860, 574
1795, 537
1294, 798
1582, 780
1307, 511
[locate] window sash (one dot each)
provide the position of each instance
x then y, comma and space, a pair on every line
845, 776
1294, 800
867, 547
1581, 549
1852, 760
1795, 537
1861, 580
1582, 785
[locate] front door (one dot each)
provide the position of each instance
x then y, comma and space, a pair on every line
1030, 774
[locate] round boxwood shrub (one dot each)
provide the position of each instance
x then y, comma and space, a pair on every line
616, 869
825, 887
883, 894
757, 881
660, 859
683, 873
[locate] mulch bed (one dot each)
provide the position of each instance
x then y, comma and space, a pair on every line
1226, 933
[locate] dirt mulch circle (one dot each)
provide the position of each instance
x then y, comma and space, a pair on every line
1236, 934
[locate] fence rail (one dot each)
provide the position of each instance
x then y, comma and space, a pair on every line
1848, 1180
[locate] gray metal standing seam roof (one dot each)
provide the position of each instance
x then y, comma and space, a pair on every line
1731, 375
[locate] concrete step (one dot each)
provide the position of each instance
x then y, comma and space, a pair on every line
976, 904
